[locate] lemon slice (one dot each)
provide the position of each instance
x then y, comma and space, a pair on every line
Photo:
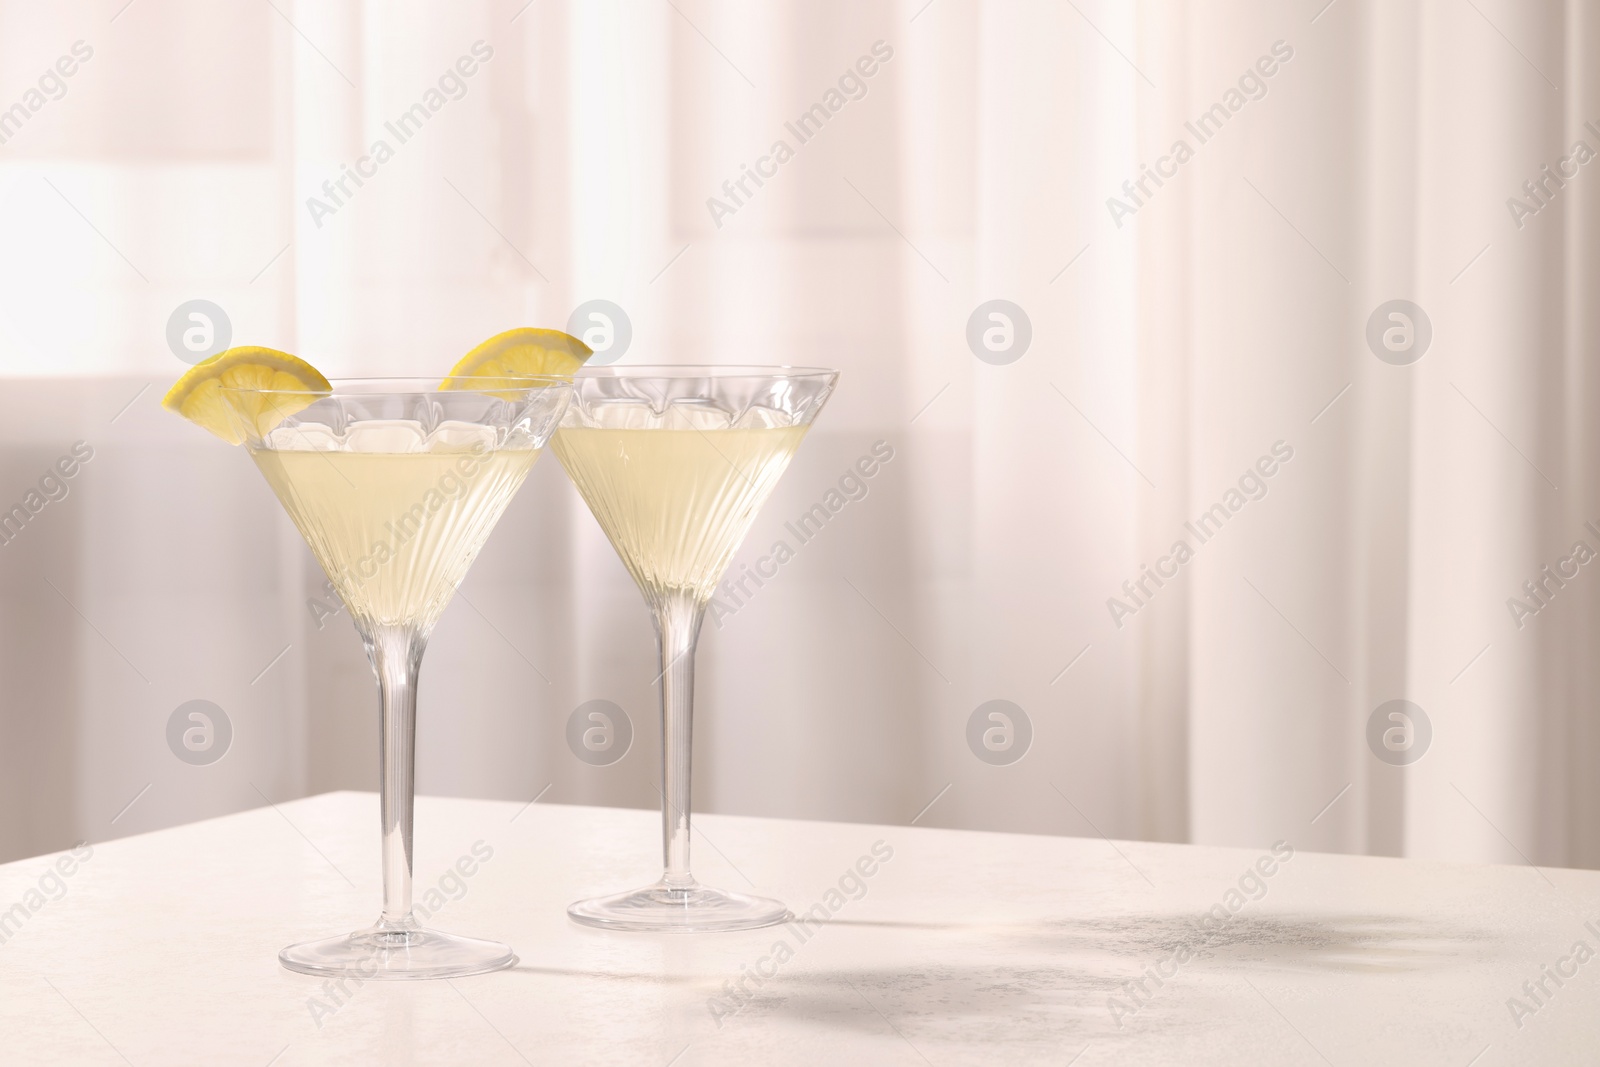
517, 354
198, 395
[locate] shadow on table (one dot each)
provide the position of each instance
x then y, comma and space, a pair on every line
977, 984
987, 986
1353, 943
1115, 949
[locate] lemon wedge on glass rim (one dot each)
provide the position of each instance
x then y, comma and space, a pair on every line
198, 396
516, 354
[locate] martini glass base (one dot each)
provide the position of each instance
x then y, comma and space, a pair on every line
663, 908
390, 952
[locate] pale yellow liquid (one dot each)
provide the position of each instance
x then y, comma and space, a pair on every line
675, 504
395, 532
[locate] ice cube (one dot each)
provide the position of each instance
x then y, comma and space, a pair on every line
304, 437
613, 415
385, 435
759, 418
456, 436
696, 415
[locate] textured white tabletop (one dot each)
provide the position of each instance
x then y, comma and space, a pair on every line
958, 948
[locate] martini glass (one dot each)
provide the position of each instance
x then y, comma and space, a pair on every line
395, 485
675, 462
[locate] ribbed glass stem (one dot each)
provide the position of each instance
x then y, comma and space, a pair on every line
677, 619
396, 655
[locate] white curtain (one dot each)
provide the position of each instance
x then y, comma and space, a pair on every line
1421, 496
1183, 329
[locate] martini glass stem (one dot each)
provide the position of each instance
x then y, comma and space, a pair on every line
677, 619
396, 655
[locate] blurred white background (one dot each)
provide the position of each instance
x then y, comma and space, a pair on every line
1174, 341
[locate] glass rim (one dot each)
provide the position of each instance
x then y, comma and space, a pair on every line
669, 371
412, 386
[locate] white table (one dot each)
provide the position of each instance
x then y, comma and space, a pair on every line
965, 948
